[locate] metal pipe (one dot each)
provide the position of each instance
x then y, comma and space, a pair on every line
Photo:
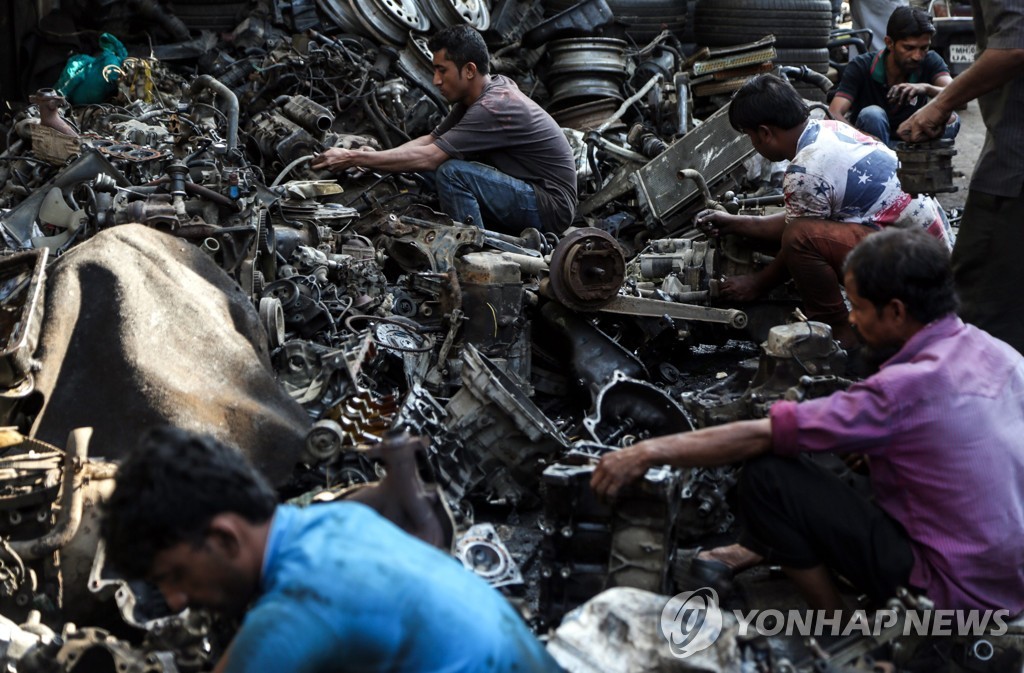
210, 82
628, 102
534, 265
72, 495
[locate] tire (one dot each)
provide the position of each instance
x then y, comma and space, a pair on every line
642, 20
795, 23
815, 59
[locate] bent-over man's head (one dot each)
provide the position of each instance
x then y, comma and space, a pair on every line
770, 111
183, 514
897, 281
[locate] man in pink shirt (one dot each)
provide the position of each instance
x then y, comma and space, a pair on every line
941, 423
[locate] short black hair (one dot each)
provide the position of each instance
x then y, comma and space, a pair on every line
907, 22
169, 489
767, 100
906, 264
462, 44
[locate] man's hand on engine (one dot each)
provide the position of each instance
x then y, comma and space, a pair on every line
618, 469
741, 288
338, 159
718, 222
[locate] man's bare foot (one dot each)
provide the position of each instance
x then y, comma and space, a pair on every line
736, 556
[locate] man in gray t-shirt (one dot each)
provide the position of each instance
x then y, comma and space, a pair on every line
500, 161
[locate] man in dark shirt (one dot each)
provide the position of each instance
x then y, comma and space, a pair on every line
986, 259
880, 91
500, 160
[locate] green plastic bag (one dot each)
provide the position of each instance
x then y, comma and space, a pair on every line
83, 79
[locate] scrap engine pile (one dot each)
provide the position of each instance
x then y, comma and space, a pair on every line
516, 360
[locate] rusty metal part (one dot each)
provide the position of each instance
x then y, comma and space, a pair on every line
415, 243
22, 284
71, 498
713, 149
587, 269
49, 101
657, 308
53, 146
926, 168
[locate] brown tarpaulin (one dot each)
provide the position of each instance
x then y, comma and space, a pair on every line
142, 328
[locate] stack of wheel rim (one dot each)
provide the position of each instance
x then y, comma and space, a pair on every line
801, 29
586, 70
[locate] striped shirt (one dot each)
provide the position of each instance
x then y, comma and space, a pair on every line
942, 422
999, 24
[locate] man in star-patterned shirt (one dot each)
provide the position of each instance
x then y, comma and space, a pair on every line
840, 186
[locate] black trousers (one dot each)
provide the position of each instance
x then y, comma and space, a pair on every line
987, 268
798, 514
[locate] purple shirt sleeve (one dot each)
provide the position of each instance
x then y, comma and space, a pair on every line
849, 421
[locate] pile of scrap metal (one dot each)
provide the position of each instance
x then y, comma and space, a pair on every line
518, 359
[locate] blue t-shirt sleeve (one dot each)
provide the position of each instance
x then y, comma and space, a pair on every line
276, 636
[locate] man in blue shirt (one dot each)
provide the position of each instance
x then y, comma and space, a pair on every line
880, 91
328, 588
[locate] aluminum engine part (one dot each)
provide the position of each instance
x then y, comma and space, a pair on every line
627, 410
590, 546
492, 302
496, 437
481, 550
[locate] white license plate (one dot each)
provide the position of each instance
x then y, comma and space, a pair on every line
961, 53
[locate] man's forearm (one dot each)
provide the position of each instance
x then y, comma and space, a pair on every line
993, 69
419, 154
718, 445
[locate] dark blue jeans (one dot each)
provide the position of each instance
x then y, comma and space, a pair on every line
473, 191
873, 120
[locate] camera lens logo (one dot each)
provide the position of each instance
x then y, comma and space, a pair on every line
691, 621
